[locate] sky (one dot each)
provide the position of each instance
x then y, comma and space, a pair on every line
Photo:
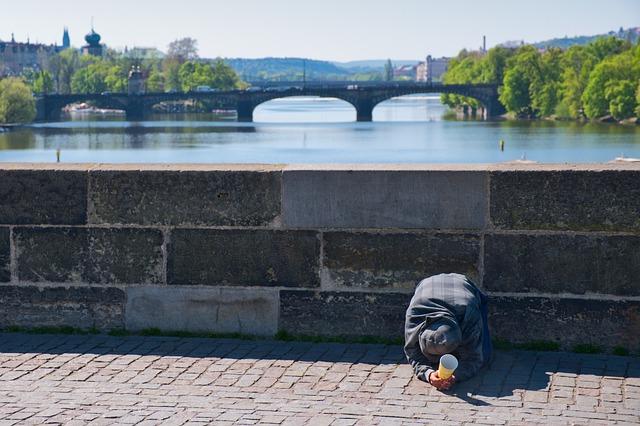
338, 30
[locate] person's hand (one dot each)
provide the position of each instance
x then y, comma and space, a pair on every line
441, 384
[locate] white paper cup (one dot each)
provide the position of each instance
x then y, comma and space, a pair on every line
448, 364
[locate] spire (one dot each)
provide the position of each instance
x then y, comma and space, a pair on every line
13, 39
66, 40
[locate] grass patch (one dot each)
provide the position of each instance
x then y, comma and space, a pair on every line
51, 330
540, 345
587, 349
119, 332
285, 336
534, 345
620, 350
502, 345
189, 334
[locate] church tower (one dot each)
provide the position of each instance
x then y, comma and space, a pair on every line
66, 40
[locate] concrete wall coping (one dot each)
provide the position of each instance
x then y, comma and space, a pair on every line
513, 166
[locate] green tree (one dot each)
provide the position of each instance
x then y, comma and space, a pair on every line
523, 81
465, 68
388, 71
43, 83
638, 95
515, 92
621, 98
577, 64
116, 79
493, 64
604, 47
62, 67
91, 79
219, 76
545, 85
606, 84
183, 50
155, 82
17, 104
224, 77
171, 68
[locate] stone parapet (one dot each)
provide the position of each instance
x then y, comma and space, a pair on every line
322, 250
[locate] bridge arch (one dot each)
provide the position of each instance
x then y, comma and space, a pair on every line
485, 94
412, 107
330, 109
50, 107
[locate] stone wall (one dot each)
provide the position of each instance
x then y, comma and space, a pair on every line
322, 250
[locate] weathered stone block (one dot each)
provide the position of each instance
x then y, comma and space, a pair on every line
203, 309
573, 200
147, 197
244, 257
51, 197
396, 260
80, 307
385, 199
346, 314
562, 264
5, 255
89, 255
604, 323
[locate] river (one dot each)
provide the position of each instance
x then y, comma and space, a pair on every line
412, 129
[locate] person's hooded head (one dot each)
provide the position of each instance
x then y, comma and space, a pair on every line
440, 337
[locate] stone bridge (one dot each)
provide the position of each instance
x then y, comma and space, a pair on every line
364, 98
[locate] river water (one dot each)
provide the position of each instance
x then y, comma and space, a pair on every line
310, 130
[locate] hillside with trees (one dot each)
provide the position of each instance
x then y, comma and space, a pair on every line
630, 34
600, 80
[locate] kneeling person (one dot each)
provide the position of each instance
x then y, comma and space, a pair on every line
447, 315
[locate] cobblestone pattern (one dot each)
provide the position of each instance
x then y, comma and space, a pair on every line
101, 380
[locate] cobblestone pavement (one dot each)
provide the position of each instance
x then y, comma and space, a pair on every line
76, 380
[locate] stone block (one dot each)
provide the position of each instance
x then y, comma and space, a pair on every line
203, 309
384, 199
575, 264
186, 198
89, 255
347, 314
566, 200
396, 260
79, 307
5, 255
244, 257
46, 197
606, 323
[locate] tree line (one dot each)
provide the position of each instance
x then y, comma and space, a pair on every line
67, 72
592, 81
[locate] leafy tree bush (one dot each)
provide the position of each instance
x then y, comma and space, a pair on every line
611, 85
43, 83
595, 80
17, 104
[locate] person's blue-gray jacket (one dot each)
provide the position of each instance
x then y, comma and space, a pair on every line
453, 297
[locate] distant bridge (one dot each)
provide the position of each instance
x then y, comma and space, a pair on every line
363, 96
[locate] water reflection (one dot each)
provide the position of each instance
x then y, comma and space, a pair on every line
304, 130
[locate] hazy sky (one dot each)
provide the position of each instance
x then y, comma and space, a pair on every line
324, 29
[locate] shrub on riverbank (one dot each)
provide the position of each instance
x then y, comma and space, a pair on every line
592, 81
17, 104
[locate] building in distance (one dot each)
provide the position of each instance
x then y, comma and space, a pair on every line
93, 46
404, 72
432, 69
17, 56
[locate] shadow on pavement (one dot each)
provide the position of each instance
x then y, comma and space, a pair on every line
510, 374
514, 372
